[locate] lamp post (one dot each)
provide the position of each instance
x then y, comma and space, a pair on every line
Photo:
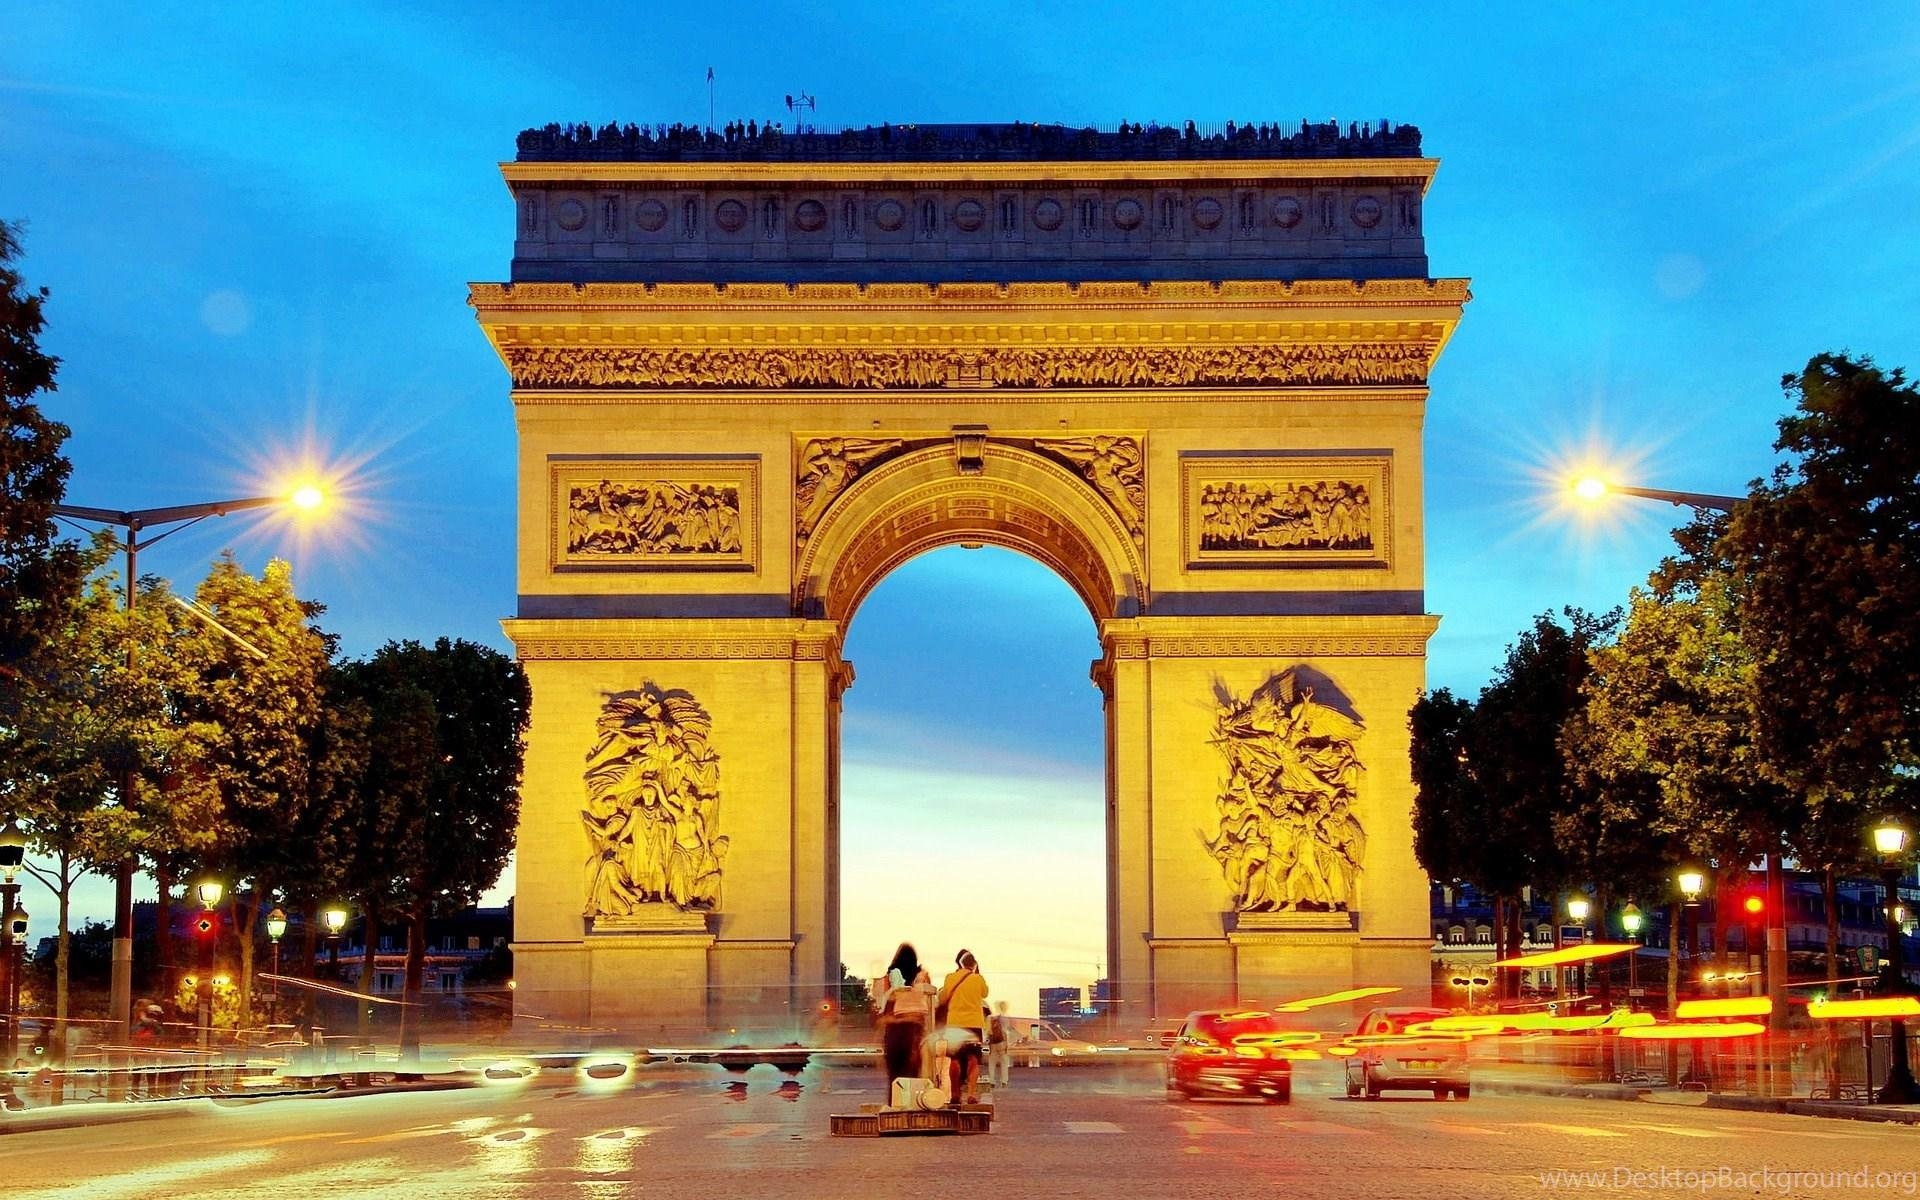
1579, 908
13, 852
276, 929
208, 891
1631, 921
1692, 884
334, 918
1890, 841
179, 516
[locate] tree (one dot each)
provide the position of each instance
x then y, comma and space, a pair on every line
389, 801
39, 574
252, 695
446, 742
1830, 549
59, 752
1490, 782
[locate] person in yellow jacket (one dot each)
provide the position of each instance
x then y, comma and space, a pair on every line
963, 997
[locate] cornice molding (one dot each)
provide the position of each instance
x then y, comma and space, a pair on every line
1268, 637
500, 298
574, 640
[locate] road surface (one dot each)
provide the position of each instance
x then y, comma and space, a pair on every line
681, 1131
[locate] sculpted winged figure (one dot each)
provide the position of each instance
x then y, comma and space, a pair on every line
1111, 463
827, 466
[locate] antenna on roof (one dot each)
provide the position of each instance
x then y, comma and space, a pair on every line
797, 102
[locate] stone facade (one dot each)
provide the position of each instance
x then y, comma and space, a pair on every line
725, 444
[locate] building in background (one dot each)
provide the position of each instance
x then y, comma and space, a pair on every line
1059, 1003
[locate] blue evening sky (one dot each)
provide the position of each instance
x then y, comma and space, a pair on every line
258, 234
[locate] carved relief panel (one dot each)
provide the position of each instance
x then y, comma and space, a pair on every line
1288, 838
655, 512
1285, 510
652, 812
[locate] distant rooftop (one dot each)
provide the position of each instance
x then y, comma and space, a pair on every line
749, 141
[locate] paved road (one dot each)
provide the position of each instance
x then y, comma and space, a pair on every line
691, 1132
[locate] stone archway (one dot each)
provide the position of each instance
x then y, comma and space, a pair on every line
1011, 497
1192, 387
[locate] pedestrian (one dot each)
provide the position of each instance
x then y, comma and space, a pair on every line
903, 1001
147, 1031
961, 1012
999, 1049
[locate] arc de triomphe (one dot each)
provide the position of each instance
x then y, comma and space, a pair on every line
753, 372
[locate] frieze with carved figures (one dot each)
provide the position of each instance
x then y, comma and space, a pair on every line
655, 513
1284, 510
1277, 365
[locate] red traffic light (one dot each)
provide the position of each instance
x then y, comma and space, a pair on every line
1754, 905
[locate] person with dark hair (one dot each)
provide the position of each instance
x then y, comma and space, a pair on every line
902, 1003
961, 1012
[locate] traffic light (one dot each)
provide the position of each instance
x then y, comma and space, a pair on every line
1755, 904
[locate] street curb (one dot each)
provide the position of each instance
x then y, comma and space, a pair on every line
1897, 1115
77, 1117
1573, 1091
1892, 1114
86, 1116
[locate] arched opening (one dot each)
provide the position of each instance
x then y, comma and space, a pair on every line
972, 775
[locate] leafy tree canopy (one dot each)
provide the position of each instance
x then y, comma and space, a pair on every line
39, 572
1830, 551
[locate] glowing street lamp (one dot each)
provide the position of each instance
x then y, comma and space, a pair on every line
209, 892
1890, 841
1631, 920
276, 929
1692, 883
334, 918
307, 497
1593, 489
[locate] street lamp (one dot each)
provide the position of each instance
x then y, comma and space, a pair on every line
276, 929
335, 919
1631, 920
13, 853
1890, 841
1592, 489
1579, 908
207, 927
1692, 883
307, 498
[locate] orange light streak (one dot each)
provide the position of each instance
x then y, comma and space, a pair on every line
1860, 1010
1704, 1033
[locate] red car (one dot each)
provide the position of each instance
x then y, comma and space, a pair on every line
1231, 1052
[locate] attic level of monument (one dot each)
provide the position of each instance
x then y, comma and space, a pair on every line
968, 204
750, 142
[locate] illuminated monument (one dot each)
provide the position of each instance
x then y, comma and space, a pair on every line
753, 372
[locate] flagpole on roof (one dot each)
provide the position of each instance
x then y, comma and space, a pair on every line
709, 99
